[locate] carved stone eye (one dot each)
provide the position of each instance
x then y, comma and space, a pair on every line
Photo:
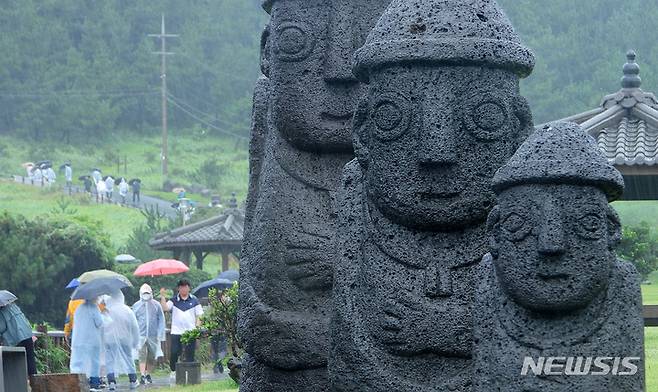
293, 42
390, 116
516, 226
489, 118
590, 226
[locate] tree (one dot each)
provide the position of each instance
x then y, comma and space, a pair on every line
639, 245
39, 257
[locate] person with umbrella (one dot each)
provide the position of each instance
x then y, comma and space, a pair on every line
50, 175
38, 175
185, 316
123, 190
151, 320
15, 330
87, 342
136, 185
70, 311
121, 336
96, 175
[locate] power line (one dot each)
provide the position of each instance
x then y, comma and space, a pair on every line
204, 122
198, 111
73, 93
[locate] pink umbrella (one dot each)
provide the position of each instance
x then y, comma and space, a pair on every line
161, 267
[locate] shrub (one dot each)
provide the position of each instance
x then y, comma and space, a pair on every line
639, 245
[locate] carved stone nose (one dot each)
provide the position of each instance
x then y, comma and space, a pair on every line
551, 241
438, 147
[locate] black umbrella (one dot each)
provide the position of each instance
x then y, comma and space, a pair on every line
98, 287
106, 177
134, 180
204, 288
231, 275
62, 167
43, 163
82, 178
118, 181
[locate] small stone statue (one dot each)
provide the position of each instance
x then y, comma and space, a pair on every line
296, 159
553, 299
442, 113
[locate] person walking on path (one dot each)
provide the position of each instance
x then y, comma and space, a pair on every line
50, 175
70, 312
109, 185
121, 336
101, 190
123, 190
87, 343
96, 175
38, 176
185, 316
137, 187
68, 175
16, 331
88, 182
151, 321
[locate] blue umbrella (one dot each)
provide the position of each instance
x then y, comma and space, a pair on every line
74, 283
218, 283
231, 275
98, 287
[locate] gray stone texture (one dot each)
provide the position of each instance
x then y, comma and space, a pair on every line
552, 286
297, 156
442, 113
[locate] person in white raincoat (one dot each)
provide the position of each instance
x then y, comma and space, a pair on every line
50, 176
109, 188
86, 347
123, 190
121, 334
38, 176
100, 191
151, 320
68, 174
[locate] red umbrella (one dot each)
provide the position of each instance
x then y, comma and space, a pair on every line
161, 267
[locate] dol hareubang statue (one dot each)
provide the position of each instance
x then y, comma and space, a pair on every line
287, 263
442, 113
553, 286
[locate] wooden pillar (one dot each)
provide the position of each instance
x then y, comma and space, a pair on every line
225, 259
199, 256
186, 256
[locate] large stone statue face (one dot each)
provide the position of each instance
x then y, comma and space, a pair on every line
553, 245
431, 138
309, 56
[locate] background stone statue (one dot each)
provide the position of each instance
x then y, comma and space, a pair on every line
296, 162
442, 113
553, 286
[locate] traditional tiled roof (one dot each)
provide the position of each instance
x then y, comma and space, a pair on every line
625, 126
225, 229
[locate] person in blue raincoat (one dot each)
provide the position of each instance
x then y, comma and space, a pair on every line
15, 330
151, 320
121, 335
87, 343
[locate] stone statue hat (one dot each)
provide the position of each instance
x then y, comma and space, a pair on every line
560, 153
267, 5
461, 32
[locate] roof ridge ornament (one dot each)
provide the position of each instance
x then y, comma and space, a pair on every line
631, 79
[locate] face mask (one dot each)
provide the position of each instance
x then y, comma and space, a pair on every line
146, 297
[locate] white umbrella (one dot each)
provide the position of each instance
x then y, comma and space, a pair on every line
125, 258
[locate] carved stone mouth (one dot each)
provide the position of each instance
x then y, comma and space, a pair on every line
446, 194
338, 118
552, 276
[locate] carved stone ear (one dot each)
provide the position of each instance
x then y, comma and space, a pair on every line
614, 228
360, 136
524, 115
492, 228
265, 51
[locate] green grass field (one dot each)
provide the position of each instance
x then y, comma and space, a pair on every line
212, 386
32, 202
187, 152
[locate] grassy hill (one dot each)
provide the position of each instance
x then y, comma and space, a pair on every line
194, 157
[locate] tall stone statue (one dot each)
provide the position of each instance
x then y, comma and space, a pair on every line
296, 163
555, 309
442, 113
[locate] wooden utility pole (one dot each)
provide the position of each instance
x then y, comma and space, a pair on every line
163, 76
